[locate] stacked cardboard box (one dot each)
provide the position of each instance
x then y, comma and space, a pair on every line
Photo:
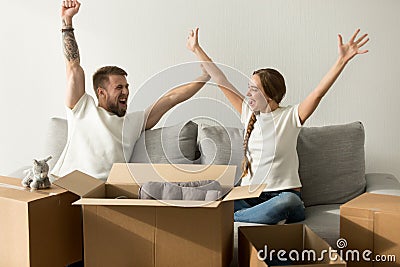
39, 228
370, 224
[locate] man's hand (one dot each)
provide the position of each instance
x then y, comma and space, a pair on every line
69, 9
349, 50
174, 97
193, 40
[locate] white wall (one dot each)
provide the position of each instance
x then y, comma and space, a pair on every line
144, 37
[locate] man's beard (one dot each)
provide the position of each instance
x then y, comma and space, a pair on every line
116, 108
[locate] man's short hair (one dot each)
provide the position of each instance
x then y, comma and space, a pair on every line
100, 77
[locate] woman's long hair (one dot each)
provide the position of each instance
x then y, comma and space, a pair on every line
273, 86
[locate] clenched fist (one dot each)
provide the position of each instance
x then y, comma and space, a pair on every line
68, 9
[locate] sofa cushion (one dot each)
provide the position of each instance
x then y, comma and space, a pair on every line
324, 220
174, 144
221, 146
332, 163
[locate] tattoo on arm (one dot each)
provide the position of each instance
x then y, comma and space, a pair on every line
71, 51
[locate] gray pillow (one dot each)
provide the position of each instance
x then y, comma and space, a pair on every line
221, 146
56, 139
175, 144
194, 190
54, 143
332, 163
20, 172
189, 193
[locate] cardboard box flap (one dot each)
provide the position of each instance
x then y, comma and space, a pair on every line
138, 173
317, 244
144, 202
288, 238
241, 192
261, 235
78, 183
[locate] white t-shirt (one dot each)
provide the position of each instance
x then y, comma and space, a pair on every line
97, 139
272, 148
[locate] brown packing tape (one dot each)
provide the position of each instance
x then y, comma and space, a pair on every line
21, 188
12, 186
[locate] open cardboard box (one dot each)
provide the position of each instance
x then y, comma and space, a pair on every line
39, 228
372, 222
297, 242
135, 232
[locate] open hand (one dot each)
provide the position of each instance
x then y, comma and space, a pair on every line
193, 40
349, 50
69, 8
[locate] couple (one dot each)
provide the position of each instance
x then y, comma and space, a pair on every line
95, 131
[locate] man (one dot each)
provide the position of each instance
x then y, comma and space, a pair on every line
95, 138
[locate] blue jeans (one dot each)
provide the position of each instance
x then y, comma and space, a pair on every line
270, 208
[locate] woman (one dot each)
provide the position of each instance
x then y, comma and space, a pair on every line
269, 125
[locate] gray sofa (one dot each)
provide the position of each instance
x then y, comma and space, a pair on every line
332, 162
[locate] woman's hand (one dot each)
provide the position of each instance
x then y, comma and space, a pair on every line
193, 40
349, 50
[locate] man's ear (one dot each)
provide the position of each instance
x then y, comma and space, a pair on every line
101, 92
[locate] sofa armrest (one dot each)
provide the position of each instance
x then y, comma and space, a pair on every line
382, 183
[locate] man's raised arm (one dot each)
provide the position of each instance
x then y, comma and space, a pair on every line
75, 74
174, 97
